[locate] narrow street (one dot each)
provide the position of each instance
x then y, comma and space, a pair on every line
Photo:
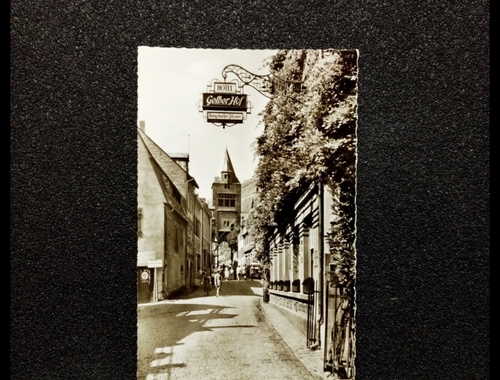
208, 337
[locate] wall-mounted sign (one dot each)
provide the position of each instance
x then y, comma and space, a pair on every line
155, 263
225, 117
221, 87
224, 102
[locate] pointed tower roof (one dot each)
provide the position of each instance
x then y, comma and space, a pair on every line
227, 166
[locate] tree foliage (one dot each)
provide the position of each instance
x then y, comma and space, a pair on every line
309, 137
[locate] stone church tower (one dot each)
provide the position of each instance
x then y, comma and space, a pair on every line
226, 199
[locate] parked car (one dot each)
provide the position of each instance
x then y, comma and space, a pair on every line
256, 271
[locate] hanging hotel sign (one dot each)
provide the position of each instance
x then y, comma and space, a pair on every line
224, 104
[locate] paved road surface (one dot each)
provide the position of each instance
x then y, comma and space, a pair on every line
206, 337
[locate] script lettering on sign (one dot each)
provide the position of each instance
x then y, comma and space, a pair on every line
224, 102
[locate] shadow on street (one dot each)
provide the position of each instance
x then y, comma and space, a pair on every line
167, 327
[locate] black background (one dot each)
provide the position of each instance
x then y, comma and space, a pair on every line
422, 191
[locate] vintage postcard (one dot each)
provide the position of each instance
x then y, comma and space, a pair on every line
246, 215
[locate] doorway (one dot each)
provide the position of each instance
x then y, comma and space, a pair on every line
145, 283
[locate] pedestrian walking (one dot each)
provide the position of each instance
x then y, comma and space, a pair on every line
217, 283
206, 281
212, 275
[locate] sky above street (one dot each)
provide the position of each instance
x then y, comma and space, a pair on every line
170, 86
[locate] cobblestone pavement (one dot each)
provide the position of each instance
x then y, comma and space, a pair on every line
208, 337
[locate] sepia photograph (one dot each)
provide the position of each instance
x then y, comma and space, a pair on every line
246, 213
250, 190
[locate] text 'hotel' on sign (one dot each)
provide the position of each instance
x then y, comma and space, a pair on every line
228, 88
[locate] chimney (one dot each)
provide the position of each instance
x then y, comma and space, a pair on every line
142, 125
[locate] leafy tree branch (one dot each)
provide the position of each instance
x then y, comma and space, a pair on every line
309, 137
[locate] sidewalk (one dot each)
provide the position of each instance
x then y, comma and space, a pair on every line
312, 360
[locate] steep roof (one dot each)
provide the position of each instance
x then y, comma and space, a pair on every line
165, 182
227, 166
165, 162
178, 155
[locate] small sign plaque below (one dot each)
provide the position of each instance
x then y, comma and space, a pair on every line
225, 117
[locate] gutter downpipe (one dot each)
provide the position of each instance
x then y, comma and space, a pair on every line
165, 247
321, 258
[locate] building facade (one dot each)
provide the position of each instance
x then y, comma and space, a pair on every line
303, 283
202, 238
245, 241
170, 217
226, 201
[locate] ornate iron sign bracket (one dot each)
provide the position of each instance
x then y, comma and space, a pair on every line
264, 84
225, 105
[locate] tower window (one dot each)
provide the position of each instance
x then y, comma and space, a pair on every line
227, 200
227, 223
